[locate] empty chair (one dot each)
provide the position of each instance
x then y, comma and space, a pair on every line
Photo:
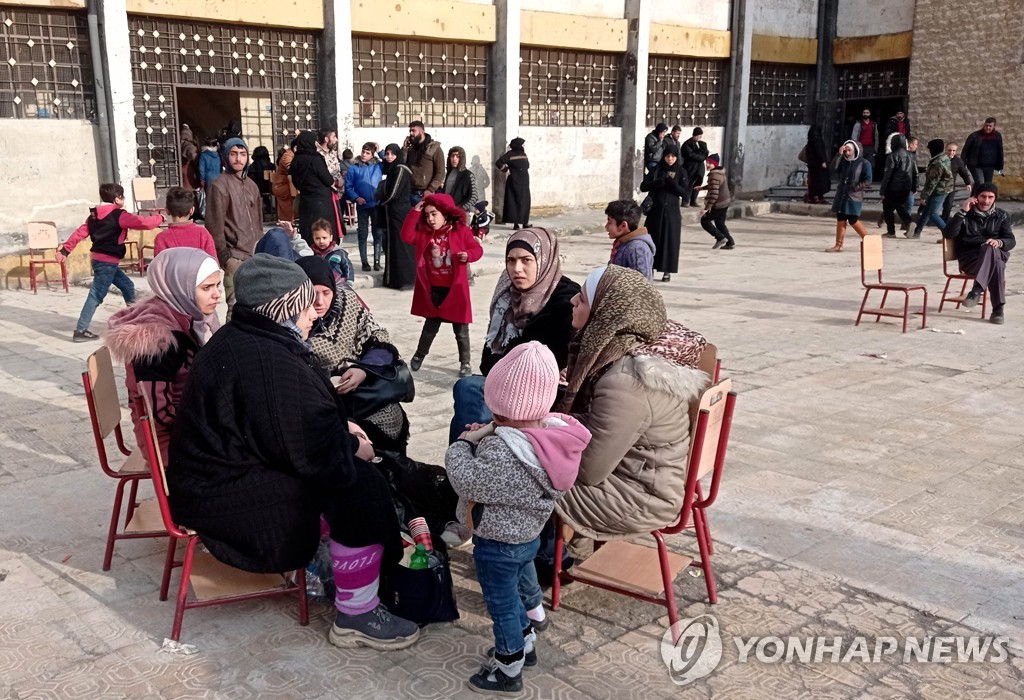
42, 251
871, 261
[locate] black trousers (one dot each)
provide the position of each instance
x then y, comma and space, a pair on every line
988, 267
895, 202
363, 513
714, 223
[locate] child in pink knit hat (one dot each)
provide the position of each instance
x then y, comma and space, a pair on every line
508, 474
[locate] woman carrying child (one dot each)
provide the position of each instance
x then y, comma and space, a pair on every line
444, 245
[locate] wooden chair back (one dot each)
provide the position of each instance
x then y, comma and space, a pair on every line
42, 235
104, 396
871, 253
713, 402
948, 249
155, 456
707, 363
144, 189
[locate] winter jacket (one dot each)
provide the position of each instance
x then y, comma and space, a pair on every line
209, 165
892, 127
234, 212
694, 153
900, 169
282, 188
340, 263
971, 230
461, 184
428, 173
960, 168
982, 152
551, 327
107, 227
361, 180
635, 250
854, 178
261, 163
259, 445
654, 147
508, 483
159, 344
718, 196
938, 177
633, 474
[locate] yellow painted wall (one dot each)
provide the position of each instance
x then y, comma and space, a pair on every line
428, 19
864, 49
51, 4
572, 31
300, 14
783, 49
677, 40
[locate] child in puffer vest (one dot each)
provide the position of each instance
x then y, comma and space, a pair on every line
508, 474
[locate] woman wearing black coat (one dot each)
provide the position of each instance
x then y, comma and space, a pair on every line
819, 180
516, 207
666, 183
315, 185
393, 207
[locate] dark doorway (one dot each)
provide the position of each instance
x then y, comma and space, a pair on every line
208, 110
881, 110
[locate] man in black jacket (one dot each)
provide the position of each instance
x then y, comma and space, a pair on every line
959, 169
897, 183
695, 153
983, 151
984, 240
898, 124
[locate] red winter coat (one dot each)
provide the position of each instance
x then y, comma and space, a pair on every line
456, 307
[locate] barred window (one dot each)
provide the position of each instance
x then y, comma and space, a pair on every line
779, 93
397, 81
686, 90
560, 87
878, 79
45, 67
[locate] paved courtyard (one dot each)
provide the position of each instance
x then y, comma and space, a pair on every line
874, 487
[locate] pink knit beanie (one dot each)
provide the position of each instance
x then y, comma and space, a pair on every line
523, 384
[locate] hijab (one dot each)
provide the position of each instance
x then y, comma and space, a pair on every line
174, 275
386, 167
512, 308
276, 242
305, 142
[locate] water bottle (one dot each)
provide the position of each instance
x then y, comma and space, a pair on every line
419, 558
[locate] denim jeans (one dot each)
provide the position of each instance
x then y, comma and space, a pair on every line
469, 405
104, 274
364, 219
982, 174
504, 570
932, 212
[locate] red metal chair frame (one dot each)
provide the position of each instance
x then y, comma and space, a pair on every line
871, 261
351, 215
130, 479
297, 587
34, 262
694, 506
948, 255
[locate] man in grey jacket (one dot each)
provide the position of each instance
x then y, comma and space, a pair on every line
960, 169
897, 183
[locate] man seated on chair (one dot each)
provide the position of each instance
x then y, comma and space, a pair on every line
984, 240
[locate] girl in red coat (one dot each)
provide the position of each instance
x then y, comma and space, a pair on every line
445, 246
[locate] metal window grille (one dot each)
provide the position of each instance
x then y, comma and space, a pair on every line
879, 79
559, 87
169, 53
686, 90
779, 93
401, 80
45, 67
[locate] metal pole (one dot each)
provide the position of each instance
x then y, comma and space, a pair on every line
107, 156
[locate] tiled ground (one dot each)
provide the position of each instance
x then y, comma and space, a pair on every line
873, 488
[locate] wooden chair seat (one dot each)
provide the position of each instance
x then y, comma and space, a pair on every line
871, 261
133, 464
631, 566
147, 518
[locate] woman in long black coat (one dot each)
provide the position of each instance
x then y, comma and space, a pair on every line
393, 207
666, 183
516, 207
819, 180
315, 185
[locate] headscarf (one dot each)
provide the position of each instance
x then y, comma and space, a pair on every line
512, 308
174, 275
319, 272
626, 312
276, 242
517, 144
387, 167
305, 142
273, 287
590, 284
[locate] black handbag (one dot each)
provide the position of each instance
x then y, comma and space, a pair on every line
420, 595
647, 204
382, 387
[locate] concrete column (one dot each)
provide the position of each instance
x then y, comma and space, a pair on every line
632, 107
826, 109
336, 74
503, 106
114, 37
739, 98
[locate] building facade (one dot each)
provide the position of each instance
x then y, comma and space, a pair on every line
94, 91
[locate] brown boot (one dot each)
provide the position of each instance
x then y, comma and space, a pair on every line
840, 235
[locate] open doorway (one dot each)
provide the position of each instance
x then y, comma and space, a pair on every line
211, 111
881, 109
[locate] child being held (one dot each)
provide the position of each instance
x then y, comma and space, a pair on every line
325, 244
633, 246
508, 475
181, 231
482, 219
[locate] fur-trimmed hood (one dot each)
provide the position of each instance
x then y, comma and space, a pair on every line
145, 331
658, 374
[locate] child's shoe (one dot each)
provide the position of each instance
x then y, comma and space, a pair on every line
456, 534
83, 336
499, 678
416, 362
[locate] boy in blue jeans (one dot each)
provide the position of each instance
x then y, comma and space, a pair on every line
508, 474
107, 226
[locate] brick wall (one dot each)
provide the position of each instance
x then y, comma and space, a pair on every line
966, 65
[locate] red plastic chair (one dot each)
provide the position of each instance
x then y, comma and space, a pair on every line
42, 241
212, 582
624, 567
143, 519
871, 261
351, 216
948, 256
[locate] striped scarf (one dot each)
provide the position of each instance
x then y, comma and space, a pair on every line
288, 306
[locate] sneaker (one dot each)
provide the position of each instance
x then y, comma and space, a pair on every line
540, 625
493, 678
720, 243
972, 299
377, 629
729, 246
83, 336
915, 234
456, 534
997, 317
465, 369
416, 362
376, 267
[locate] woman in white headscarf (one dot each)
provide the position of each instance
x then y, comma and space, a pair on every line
160, 336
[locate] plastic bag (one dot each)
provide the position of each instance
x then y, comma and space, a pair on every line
320, 574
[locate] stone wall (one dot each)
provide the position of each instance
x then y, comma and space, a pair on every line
967, 66
872, 17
